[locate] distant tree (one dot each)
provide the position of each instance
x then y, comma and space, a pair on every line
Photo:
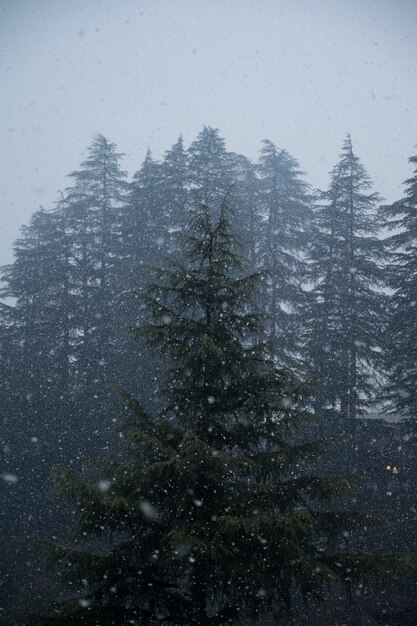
214, 518
175, 189
346, 313
144, 225
213, 172
10, 364
59, 314
36, 319
401, 337
34, 364
93, 225
284, 206
63, 287
244, 199
209, 166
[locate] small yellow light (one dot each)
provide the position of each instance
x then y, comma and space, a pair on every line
395, 469
388, 468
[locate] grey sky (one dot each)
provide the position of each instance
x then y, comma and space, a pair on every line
298, 72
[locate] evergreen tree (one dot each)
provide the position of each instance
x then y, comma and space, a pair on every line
144, 227
209, 167
34, 387
93, 224
401, 344
35, 281
346, 312
244, 200
147, 215
284, 206
214, 518
65, 281
174, 189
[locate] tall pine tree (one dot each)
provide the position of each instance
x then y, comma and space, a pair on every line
346, 312
401, 344
284, 208
93, 209
209, 166
174, 189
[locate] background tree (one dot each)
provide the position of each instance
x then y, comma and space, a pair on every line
243, 197
35, 282
284, 206
93, 224
346, 313
59, 315
209, 166
401, 344
34, 380
175, 191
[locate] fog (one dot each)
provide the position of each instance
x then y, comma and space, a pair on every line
299, 73
208, 364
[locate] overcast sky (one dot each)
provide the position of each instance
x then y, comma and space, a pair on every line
141, 72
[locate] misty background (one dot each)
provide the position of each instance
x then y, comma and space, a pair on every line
301, 73
292, 85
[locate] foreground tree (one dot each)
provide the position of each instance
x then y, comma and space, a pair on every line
215, 517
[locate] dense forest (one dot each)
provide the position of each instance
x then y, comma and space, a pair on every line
215, 361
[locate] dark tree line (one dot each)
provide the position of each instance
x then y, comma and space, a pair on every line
339, 294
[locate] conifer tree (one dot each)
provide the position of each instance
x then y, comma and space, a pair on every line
209, 166
174, 189
213, 518
143, 217
34, 363
284, 205
93, 224
147, 214
35, 281
244, 200
346, 312
214, 172
401, 344
65, 281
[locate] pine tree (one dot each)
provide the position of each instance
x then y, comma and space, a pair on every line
346, 313
147, 215
401, 344
65, 281
214, 518
244, 200
34, 381
209, 167
60, 345
35, 281
214, 172
284, 205
174, 189
93, 224
144, 227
